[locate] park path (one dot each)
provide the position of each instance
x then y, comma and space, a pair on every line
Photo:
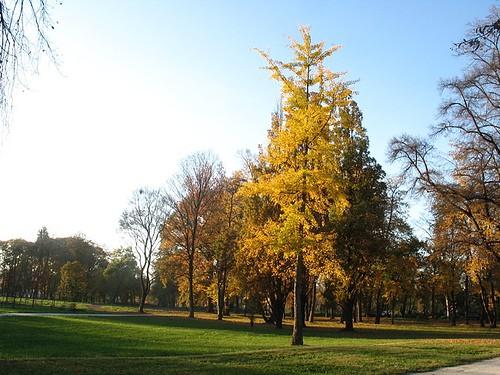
488, 367
5, 315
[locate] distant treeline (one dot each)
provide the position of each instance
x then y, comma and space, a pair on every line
71, 268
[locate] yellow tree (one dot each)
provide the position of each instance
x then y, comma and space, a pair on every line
450, 253
264, 264
302, 155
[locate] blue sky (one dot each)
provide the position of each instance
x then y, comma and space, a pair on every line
141, 84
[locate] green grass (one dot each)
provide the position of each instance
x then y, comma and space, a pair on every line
25, 305
176, 345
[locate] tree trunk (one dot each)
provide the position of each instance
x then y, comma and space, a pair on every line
313, 302
347, 313
485, 302
278, 312
433, 302
359, 309
298, 305
220, 305
221, 293
143, 302
210, 305
453, 307
467, 307
33, 296
481, 315
493, 321
304, 298
144, 291
403, 306
393, 308
447, 305
378, 305
368, 305
191, 291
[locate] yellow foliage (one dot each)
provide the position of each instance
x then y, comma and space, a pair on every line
300, 173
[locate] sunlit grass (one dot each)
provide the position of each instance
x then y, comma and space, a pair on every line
43, 305
172, 343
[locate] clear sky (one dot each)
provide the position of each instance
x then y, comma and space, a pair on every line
142, 84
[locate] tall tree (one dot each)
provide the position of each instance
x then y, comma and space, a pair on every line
222, 234
358, 231
42, 245
302, 153
192, 196
467, 184
395, 231
470, 120
143, 221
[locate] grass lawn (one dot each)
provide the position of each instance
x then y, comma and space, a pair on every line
40, 305
174, 344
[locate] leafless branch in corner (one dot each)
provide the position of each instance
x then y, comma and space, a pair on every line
25, 27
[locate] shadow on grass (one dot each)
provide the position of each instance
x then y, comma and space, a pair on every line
384, 332
46, 337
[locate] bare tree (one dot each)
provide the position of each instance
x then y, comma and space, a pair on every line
472, 108
143, 222
191, 197
468, 181
24, 29
468, 197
